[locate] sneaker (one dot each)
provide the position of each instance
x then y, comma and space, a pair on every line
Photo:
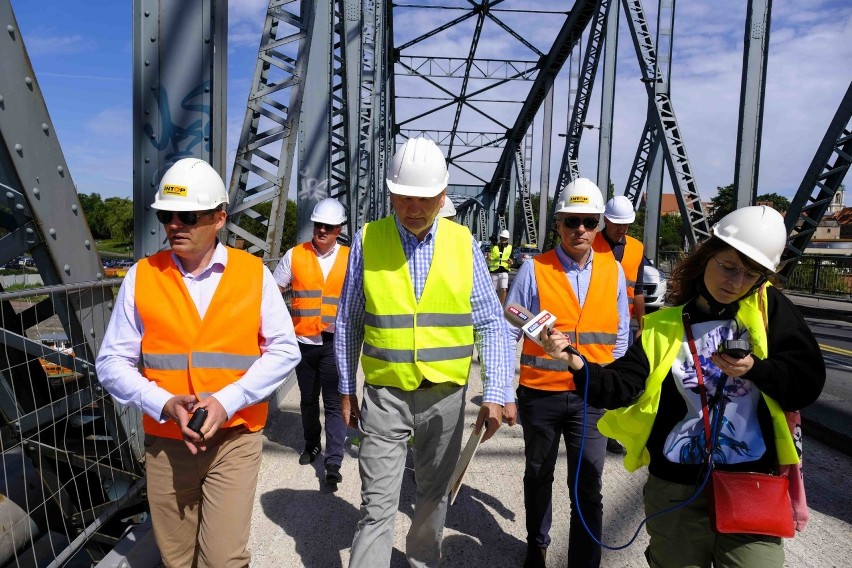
613, 447
309, 455
332, 474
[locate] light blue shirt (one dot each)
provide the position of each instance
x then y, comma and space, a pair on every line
491, 332
524, 292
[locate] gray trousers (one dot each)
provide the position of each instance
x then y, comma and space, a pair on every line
389, 416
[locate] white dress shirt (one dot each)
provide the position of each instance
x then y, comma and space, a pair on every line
120, 350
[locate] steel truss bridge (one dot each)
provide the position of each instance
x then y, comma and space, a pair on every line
334, 91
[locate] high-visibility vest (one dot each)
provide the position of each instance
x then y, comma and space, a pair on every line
184, 354
634, 251
498, 260
662, 338
593, 329
315, 297
405, 340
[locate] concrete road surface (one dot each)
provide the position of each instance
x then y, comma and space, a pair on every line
298, 521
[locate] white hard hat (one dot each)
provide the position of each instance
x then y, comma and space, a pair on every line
447, 209
581, 196
504, 234
329, 211
620, 210
757, 231
418, 169
190, 185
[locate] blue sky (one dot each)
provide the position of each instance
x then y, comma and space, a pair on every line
82, 55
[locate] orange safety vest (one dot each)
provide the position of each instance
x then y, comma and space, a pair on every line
634, 250
315, 298
184, 354
593, 329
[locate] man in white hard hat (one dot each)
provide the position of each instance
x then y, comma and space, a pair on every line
499, 261
417, 297
448, 210
315, 271
614, 240
587, 294
200, 326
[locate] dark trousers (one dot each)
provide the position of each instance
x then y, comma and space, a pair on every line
545, 416
317, 373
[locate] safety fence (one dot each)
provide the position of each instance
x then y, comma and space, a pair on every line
71, 469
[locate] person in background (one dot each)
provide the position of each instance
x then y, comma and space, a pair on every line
499, 262
722, 292
587, 294
315, 271
417, 347
618, 215
199, 326
448, 210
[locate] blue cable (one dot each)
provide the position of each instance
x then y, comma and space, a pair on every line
577, 479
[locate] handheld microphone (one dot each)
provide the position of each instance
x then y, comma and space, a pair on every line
533, 326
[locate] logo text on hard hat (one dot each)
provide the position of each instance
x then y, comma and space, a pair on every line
578, 199
170, 189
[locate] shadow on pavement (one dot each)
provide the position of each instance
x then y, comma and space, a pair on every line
285, 428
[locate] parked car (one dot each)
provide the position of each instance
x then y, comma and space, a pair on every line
654, 285
523, 253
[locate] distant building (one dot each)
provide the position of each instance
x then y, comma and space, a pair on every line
836, 205
843, 218
668, 204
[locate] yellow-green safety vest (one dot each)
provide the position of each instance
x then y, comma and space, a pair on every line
662, 337
405, 340
498, 260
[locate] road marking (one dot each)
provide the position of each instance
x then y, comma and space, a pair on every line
836, 350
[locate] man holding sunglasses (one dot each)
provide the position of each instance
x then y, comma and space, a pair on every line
315, 271
587, 294
198, 326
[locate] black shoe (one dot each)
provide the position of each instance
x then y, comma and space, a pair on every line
613, 447
332, 474
535, 557
309, 455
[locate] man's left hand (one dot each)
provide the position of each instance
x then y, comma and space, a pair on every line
490, 416
216, 416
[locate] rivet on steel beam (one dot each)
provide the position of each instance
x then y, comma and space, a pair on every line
147, 13
110, 305
91, 331
74, 208
19, 149
29, 82
45, 127
10, 195
11, 30
147, 111
87, 243
19, 206
147, 160
29, 230
52, 232
37, 192
61, 170
153, 38
67, 269
99, 276
147, 63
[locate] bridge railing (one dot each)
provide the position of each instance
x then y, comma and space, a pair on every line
69, 456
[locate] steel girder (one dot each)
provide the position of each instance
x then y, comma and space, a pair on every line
179, 99
674, 149
821, 182
264, 160
752, 94
568, 170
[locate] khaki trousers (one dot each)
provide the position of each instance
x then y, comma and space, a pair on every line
201, 504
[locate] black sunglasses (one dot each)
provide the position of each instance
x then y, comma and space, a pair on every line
574, 222
325, 226
188, 218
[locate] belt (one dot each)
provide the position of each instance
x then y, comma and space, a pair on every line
425, 384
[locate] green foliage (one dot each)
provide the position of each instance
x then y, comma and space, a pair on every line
725, 202
108, 219
259, 229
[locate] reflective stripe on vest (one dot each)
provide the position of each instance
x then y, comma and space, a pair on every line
315, 297
662, 338
593, 329
406, 340
631, 261
183, 354
497, 260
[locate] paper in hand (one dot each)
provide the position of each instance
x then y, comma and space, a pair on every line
464, 461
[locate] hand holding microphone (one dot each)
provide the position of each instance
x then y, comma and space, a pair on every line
539, 328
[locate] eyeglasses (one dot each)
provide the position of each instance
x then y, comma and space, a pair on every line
730, 271
188, 218
326, 226
574, 222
